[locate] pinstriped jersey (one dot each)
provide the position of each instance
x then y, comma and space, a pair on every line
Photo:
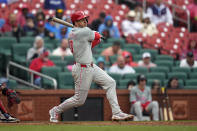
80, 40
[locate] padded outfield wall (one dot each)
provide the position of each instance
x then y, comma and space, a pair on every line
35, 104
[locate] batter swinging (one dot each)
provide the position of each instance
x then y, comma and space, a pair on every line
81, 40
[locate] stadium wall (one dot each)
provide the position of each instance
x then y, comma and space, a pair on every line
35, 104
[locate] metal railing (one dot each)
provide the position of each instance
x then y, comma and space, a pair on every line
174, 13
180, 19
32, 73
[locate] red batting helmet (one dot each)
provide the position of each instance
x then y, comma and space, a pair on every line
78, 15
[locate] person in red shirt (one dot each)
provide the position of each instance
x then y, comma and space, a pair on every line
192, 8
191, 46
40, 62
128, 59
10, 23
22, 14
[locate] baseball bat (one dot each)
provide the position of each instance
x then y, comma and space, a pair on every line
165, 111
160, 103
165, 108
170, 112
169, 108
57, 20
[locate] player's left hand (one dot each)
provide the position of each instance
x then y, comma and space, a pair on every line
103, 38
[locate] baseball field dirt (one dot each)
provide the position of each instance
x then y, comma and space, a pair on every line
101, 126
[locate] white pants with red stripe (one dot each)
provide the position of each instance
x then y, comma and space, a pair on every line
83, 77
153, 108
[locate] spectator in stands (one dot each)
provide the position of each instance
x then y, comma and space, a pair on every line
42, 31
192, 7
63, 50
22, 15
113, 50
10, 23
141, 100
139, 12
128, 59
59, 13
40, 62
130, 26
54, 4
109, 26
40, 16
160, 13
29, 25
156, 85
190, 47
130, 85
2, 22
148, 27
63, 32
13, 26
97, 22
50, 26
37, 48
146, 61
121, 67
173, 83
100, 62
189, 61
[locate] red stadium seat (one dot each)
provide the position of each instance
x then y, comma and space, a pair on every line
193, 36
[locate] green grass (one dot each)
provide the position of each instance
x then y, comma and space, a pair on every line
94, 128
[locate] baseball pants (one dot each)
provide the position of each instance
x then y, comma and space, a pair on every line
153, 107
83, 77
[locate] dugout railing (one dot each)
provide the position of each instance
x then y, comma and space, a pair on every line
31, 72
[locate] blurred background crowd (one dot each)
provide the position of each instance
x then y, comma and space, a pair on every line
156, 38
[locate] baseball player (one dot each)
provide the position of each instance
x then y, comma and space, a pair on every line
81, 41
12, 99
141, 100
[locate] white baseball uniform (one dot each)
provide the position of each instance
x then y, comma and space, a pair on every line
84, 72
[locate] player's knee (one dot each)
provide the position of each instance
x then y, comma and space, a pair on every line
137, 104
155, 104
80, 102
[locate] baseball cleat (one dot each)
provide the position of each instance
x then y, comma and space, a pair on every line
53, 115
12, 119
8, 118
121, 117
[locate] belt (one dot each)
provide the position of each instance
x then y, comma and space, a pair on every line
85, 65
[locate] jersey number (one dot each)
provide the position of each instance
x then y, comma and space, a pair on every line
71, 45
